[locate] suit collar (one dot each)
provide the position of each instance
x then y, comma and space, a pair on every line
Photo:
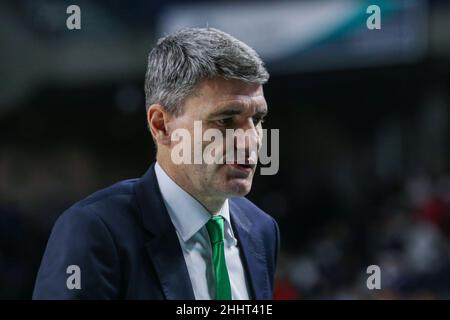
252, 250
162, 245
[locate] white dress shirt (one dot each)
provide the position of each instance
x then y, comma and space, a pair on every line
189, 218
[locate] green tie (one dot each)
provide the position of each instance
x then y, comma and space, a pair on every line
216, 235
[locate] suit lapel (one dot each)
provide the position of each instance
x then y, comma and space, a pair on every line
163, 246
252, 251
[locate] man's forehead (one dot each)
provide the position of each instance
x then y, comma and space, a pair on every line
231, 91
228, 88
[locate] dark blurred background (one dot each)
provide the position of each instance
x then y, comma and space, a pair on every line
363, 116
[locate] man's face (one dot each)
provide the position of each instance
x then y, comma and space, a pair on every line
222, 104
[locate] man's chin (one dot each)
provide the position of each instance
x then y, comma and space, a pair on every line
238, 181
239, 187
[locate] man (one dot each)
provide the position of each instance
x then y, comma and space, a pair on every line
183, 230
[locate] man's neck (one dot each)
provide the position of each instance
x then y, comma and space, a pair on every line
212, 204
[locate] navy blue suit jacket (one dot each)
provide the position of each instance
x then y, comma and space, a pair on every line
126, 247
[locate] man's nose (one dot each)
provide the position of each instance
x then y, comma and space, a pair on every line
247, 139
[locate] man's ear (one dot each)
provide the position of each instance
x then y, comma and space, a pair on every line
157, 119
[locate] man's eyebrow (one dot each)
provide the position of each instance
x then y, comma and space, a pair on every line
226, 112
234, 110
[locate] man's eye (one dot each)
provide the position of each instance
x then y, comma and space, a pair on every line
225, 122
257, 120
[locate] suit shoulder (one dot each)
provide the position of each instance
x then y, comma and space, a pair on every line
103, 203
119, 189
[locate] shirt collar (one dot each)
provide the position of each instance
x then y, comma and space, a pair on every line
187, 214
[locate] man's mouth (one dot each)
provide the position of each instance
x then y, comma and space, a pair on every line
245, 168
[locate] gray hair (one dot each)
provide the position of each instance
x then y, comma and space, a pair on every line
182, 59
